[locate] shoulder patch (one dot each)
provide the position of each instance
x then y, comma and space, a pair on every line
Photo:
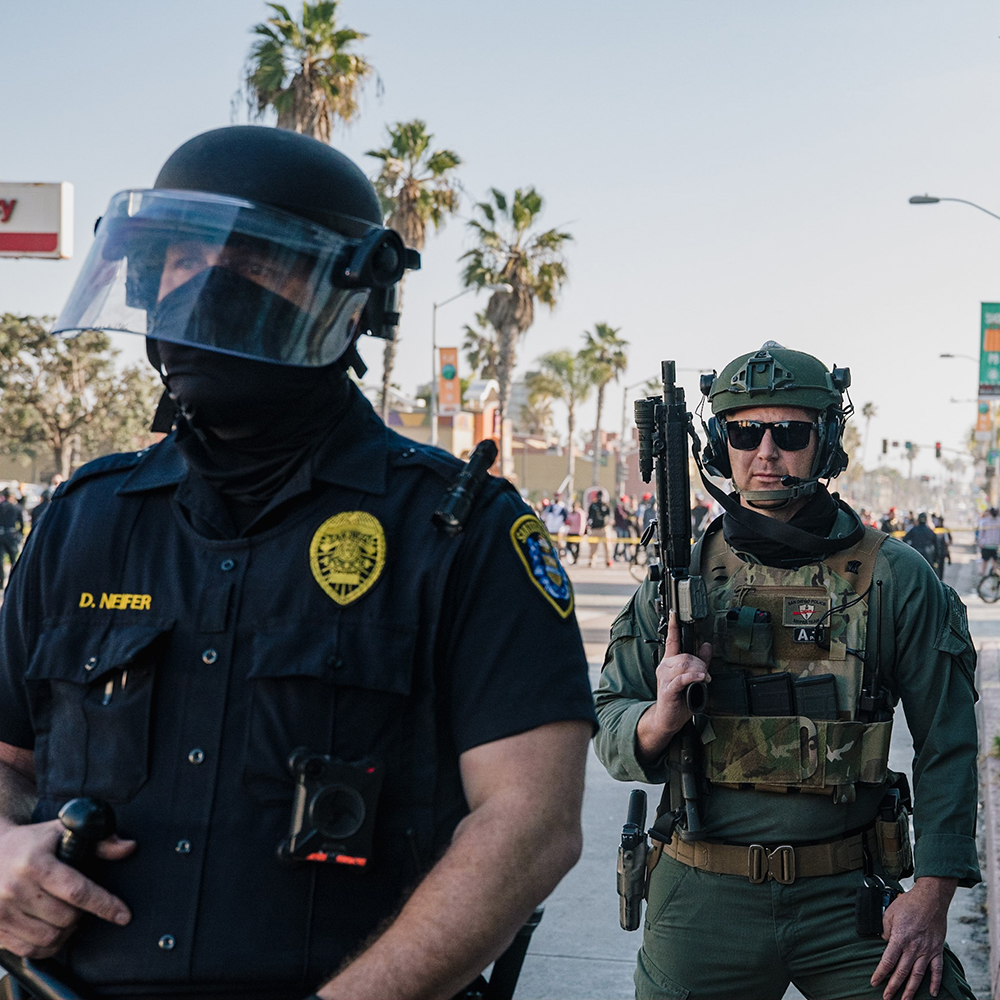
347, 555
538, 554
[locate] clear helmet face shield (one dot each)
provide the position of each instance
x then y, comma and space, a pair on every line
229, 275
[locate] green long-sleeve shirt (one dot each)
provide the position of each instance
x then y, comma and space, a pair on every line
928, 664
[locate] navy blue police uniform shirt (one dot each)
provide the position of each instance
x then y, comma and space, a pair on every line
172, 671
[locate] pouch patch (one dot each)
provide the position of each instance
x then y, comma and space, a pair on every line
804, 611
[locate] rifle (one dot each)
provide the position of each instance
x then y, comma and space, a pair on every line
664, 429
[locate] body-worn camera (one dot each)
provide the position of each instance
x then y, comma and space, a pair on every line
333, 811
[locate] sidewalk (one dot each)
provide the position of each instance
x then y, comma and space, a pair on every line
989, 776
580, 951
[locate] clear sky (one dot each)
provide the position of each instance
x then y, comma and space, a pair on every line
731, 171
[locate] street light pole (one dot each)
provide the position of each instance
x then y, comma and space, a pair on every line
434, 364
927, 199
504, 287
993, 485
621, 441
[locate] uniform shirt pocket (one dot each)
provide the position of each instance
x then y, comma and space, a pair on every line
337, 690
91, 694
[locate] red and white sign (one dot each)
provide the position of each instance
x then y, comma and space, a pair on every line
36, 220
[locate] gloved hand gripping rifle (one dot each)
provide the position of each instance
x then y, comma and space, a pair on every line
664, 429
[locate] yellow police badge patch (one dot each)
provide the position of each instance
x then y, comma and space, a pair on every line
533, 544
347, 554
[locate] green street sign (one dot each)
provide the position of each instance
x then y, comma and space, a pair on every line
989, 349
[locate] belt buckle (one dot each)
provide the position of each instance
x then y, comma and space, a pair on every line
781, 865
757, 867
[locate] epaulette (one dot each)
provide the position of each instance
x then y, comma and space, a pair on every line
442, 463
446, 466
121, 461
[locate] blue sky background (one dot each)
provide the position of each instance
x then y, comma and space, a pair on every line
731, 171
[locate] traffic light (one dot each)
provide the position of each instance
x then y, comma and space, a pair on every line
937, 449
885, 446
909, 445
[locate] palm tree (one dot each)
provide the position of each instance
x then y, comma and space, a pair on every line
536, 416
530, 263
868, 411
306, 72
566, 377
604, 352
852, 445
416, 186
480, 346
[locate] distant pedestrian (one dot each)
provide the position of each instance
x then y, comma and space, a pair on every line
553, 517
944, 536
988, 539
890, 523
623, 526
700, 516
599, 529
41, 507
574, 530
11, 529
923, 538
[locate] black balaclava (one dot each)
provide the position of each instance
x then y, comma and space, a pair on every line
245, 426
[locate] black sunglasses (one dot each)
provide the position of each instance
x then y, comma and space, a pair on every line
788, 435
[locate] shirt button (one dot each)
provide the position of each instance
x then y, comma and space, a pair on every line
91, 663
196, 756
209, 656
183, 847
167, 942
226, 565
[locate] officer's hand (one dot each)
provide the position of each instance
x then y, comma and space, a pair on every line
676, 671
41, 898
914, 924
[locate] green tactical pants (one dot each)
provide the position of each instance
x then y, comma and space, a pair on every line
715, 937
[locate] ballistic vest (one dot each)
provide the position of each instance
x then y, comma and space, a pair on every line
787, 672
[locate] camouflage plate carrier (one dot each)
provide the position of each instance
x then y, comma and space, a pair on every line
804, 629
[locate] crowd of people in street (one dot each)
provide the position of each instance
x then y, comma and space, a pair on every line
924, 531
611, 533
614, 534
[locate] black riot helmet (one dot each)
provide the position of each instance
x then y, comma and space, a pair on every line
254, 241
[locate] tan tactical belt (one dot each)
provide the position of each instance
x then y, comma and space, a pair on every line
782, 863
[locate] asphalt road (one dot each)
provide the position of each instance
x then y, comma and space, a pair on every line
579, 950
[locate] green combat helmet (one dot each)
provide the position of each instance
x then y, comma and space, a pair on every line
776, 376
